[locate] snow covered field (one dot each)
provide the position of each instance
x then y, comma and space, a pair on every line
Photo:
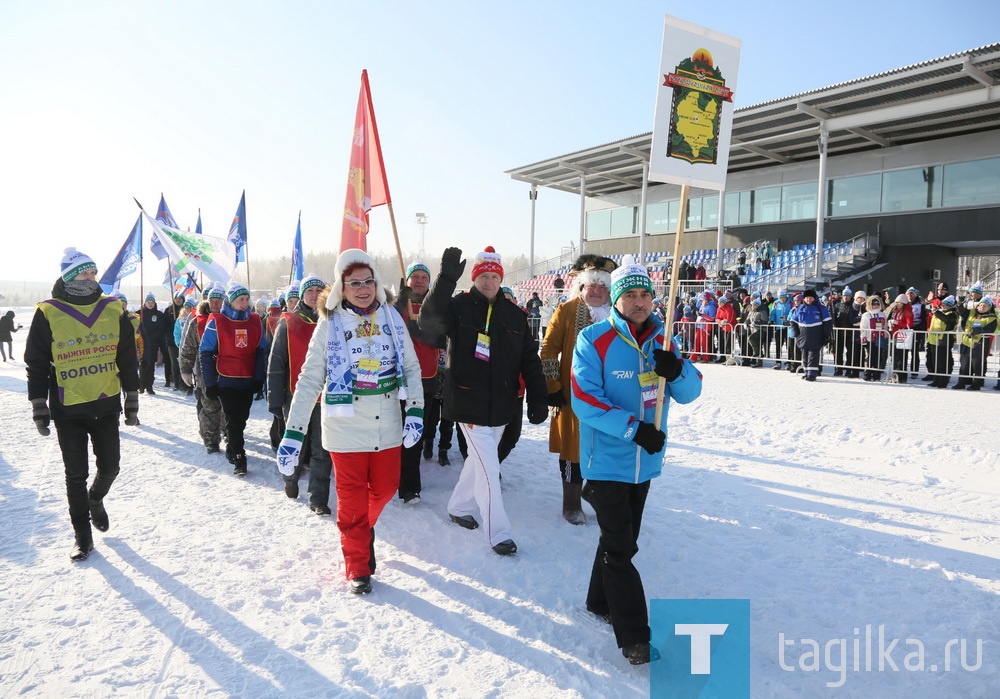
830, 506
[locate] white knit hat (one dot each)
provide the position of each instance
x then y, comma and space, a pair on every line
347, 258
74, 263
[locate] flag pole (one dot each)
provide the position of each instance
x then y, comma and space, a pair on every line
668, 325
381, 164
142, 287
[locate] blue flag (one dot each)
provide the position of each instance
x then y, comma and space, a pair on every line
127, 260
163, 215
298, 259
238, 231
197, 228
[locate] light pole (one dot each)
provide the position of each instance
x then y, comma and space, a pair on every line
422, 223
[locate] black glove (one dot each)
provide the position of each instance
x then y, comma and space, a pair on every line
667, 364
557, 400
40, 414
256, 386
212, 392
538, 410
275, 410
405, 292
649, 438
131, 408
452, 264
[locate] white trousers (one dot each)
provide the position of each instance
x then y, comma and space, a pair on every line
479, 483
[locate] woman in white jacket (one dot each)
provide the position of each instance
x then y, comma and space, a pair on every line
360, 364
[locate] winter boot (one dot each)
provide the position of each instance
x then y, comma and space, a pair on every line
83, 546
640, 653
443, 458
572, 511
362, 585
428, 451
292, 489
240, 464
98, 515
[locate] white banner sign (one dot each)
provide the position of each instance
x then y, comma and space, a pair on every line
693, 123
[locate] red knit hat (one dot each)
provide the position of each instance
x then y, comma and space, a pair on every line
487, 261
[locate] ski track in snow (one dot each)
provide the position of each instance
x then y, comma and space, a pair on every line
830, 506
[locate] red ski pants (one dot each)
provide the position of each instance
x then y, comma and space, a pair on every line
366, 481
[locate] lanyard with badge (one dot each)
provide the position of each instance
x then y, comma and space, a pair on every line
648, 380
368, 367
483, 341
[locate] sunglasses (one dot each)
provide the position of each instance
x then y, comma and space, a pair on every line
360, 283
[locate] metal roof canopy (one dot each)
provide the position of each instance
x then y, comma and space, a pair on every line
944, 97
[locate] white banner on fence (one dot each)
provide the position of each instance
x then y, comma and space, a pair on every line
693, 122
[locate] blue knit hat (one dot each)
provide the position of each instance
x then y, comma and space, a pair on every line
417, 266
293, 291
216, 292
150, 297
75, 263
236, 290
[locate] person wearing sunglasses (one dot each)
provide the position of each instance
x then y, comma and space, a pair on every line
360, 365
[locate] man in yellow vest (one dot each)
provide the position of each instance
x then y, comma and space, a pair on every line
80, 356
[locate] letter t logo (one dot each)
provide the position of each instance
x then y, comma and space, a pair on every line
701, 644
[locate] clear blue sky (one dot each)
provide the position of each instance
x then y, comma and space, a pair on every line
103, 101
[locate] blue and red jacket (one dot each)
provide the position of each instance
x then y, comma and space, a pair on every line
252, 363
607, 398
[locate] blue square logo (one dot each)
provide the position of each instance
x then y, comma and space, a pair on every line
705, 648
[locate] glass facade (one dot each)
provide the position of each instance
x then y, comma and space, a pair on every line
960, 184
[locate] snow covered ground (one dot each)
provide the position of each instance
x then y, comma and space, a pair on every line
830, 506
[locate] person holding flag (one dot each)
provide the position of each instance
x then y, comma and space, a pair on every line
233, 354
76, 384
617, 364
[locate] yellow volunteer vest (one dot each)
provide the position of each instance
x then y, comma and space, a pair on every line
84, 348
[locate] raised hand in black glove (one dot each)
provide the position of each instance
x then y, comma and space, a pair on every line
538, 410
452, 264
649, 438
667, 364
212, 392
405, 292
132, 408
557, 400
40, 415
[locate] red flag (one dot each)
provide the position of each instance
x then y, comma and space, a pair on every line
366, 183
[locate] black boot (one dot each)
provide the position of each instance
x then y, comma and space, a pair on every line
443, 458
428, 451
240, 464
640, 653
98, 515
571, 509
83, 546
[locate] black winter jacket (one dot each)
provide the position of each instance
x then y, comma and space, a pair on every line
476, 391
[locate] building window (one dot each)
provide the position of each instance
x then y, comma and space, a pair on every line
656, 217
710, 211
766, 205
599, 224
693, 213
971, 184
798, 201
910, 190
623, 222
853, 196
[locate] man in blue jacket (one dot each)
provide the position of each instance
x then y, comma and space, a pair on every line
813, 325
616, 369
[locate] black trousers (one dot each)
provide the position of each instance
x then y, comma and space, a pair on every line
615, 585
73, 433
409, 469
236, 404
316, 459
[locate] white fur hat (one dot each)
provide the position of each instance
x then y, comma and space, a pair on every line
346, 259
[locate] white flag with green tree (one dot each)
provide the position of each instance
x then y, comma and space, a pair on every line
190, 253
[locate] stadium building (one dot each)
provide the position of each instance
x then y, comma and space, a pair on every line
892, 177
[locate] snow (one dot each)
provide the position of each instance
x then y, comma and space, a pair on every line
831, 506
